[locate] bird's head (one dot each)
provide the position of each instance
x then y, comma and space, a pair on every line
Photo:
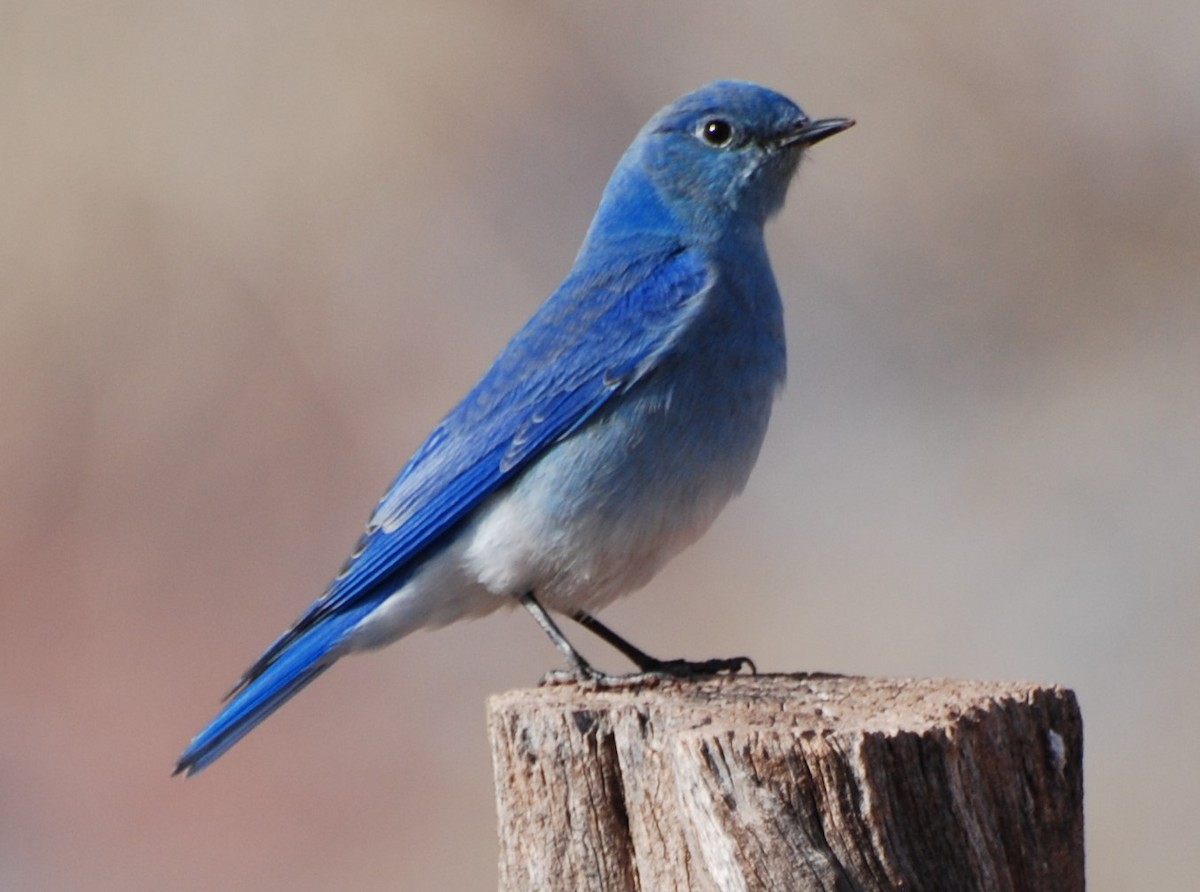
722, 155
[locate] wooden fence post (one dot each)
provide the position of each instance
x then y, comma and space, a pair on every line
791, 783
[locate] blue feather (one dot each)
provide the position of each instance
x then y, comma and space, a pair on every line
585, 344
306, 657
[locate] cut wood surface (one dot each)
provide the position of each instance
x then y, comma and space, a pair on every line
789, 782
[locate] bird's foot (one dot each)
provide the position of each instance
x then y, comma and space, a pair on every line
651, 672
696, 668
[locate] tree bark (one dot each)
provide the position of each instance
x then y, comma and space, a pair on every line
789, 782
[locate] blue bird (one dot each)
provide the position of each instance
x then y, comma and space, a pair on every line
608, 433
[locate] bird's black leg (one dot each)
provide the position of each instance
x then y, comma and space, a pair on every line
652, 665
581, 669
650, 669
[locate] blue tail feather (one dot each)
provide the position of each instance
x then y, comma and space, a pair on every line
306, 657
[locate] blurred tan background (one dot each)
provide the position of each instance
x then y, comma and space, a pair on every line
249, 254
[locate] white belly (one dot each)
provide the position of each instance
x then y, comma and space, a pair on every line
601, 511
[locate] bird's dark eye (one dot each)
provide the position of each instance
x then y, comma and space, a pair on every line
716, 132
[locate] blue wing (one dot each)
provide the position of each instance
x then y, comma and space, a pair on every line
601, 332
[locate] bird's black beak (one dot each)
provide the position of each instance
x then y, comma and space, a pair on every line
809, 133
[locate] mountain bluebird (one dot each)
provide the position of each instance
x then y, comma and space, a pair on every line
605, 437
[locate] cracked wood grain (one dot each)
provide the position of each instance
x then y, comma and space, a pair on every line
789, 782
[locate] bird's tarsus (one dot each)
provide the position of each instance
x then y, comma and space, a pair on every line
652, 666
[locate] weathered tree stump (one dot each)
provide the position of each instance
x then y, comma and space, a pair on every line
789, 782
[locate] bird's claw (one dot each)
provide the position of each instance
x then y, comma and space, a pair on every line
696, 668
650, 673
